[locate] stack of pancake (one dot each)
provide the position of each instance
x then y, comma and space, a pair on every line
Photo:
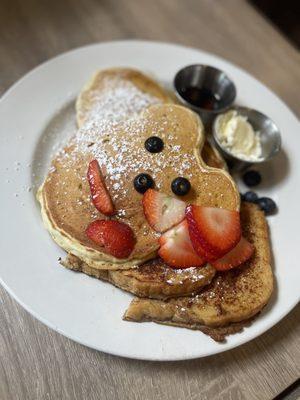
116, 112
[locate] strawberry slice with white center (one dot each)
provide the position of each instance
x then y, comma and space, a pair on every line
213, 231
162, 211
238, 255
100, 195
116, 237
176, 248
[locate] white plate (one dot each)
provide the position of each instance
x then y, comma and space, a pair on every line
35, 114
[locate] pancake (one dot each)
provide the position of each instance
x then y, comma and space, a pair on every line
118, 145
116, 83
88, 99
232, 298
155, 279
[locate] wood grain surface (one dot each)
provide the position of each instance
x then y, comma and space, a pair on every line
37, 363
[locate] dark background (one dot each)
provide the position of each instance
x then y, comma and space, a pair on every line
285, 14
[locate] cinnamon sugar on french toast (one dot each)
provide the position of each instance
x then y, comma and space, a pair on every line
153, 279
233, 296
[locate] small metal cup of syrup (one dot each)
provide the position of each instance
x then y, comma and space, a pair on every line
205, 89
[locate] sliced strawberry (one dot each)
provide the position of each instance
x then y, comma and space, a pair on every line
161, 211
176, 248
239, 254
95, 232
213, 231
197, 243
100, 195
116, 237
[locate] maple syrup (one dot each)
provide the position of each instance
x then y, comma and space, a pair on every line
201, 97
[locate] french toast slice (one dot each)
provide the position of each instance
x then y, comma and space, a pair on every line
154, 279
233, 297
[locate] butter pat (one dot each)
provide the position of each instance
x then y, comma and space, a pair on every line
238, 137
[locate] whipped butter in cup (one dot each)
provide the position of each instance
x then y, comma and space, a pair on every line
238, 137
245, 136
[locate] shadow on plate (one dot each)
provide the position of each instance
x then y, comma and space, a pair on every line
60, 127
275, 171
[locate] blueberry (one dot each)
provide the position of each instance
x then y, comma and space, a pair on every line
180, 186
143, 182
251, 197
251, 178
154, 144
267, 205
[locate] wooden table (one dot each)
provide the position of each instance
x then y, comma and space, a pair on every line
37, 363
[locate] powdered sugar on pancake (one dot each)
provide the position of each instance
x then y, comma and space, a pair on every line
119, 100
112, 132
